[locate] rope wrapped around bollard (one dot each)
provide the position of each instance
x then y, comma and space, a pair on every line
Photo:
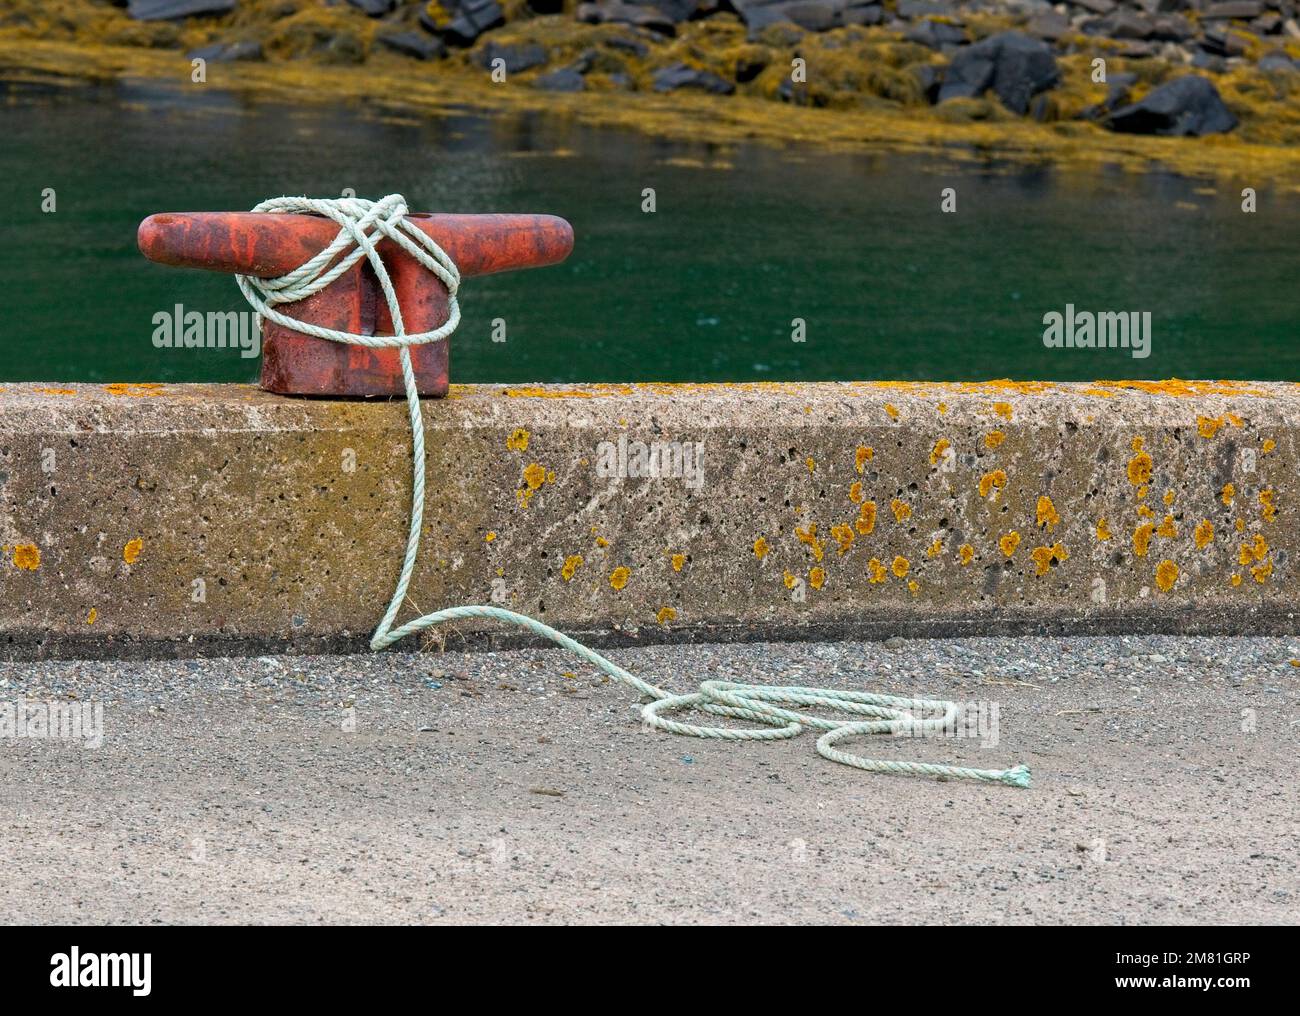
361, 225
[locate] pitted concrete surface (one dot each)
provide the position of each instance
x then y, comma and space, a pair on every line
516, 787
199, 519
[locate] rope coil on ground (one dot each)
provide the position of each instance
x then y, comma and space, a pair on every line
361, 224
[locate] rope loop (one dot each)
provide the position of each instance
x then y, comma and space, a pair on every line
361, 225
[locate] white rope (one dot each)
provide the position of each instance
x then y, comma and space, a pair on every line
361, 223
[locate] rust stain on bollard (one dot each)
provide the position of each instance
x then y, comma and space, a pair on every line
268, 245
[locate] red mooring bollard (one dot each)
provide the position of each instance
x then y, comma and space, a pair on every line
270, 245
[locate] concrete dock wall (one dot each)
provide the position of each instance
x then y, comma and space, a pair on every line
217, 518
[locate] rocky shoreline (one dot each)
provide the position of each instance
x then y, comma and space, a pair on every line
1158, 67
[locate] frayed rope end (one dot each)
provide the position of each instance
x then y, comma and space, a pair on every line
1018, 776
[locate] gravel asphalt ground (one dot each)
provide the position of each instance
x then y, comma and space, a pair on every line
520, 787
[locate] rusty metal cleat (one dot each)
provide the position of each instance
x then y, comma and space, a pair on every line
268, 245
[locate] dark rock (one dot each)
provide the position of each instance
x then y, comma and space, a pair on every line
375, 8
224, 52
470, 19
669, 79
862, 14
566, 79
1015, 66
920, 8
1126, 25
167, 10
617, 12
415, 44
1185, 106
546, 6
1204, 61
1221, 42
634, 46
929, 77
812, 15
1049, 25
1172, 28
1096, 6
1118, 86
1277, 61
935, 34
1228, 9
675, 11
516, 57
1136, 49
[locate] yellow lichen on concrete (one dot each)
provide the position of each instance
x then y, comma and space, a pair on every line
1168, 528
534, 475
1268, 510
1228, 493
1142, 538
855, 492
1262, 572
935, 549
808, 537
892, 410
1203, 535
26, 557
965, 554
665, 615
1003, 409
760, 548
1046, 513
1268, 445
518, 440
489, 536
135, 391
994, 438
1169, 498
901, 509
843, 535
936, 453
131, 552
678, 562
816, 577
1103, 530
1208, 426
876, 573
1166, 575
1044, 556
866, 520
900, 566
861, 457
619, 576
92, 616
989, 481
812, 466
1139, 467
1009, 543
789, 580
571, 564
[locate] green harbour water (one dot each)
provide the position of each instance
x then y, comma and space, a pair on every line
744, 240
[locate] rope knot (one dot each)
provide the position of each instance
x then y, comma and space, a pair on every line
362, 224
